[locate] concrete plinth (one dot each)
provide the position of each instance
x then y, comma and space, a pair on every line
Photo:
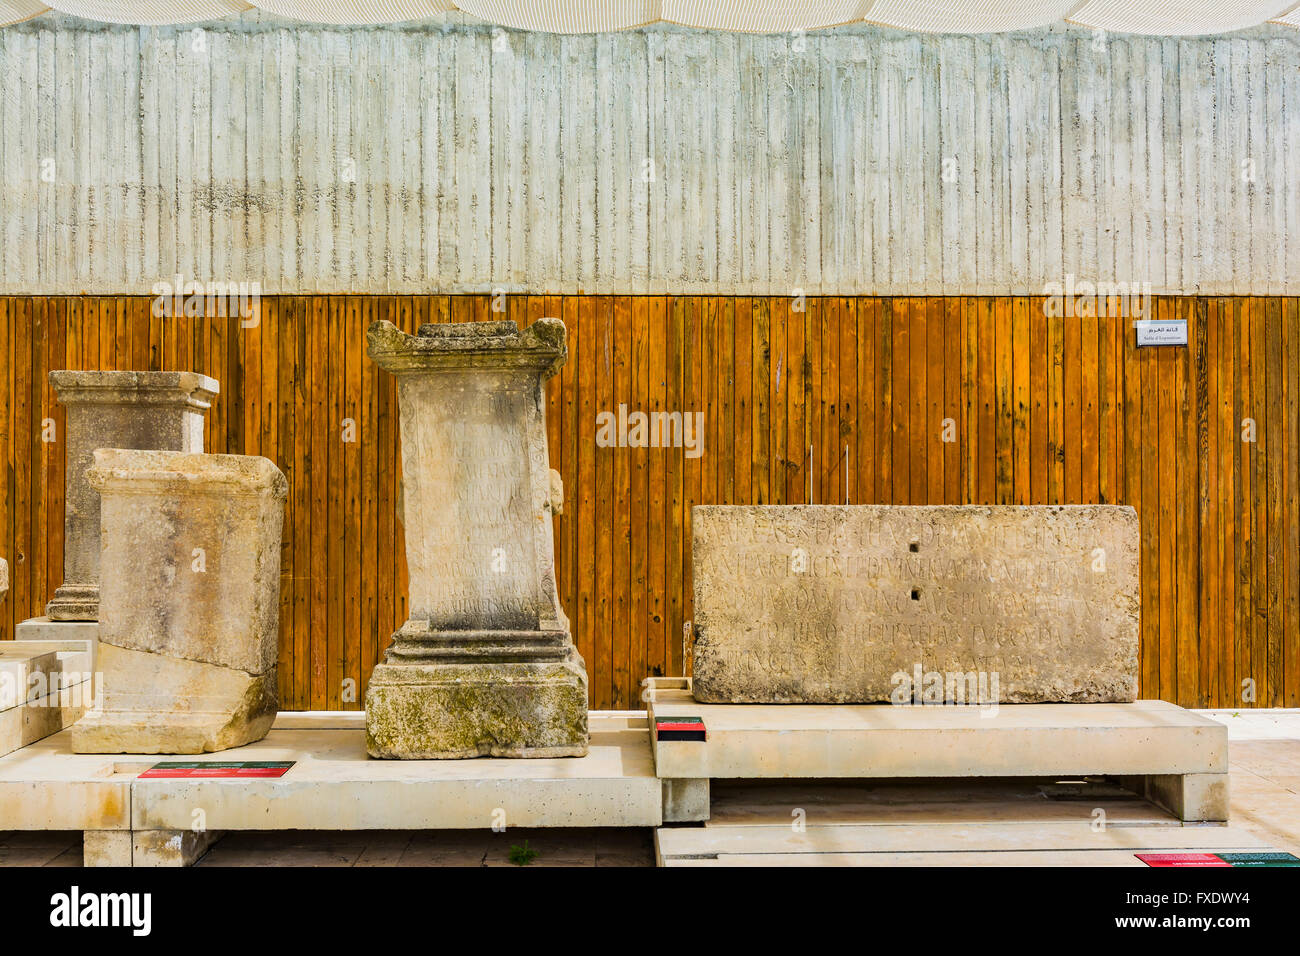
1038, 844
1148, 739
73, 635
1189, 796
153, 410
505, 709
686, 800
485, 666
332, 785
44, 687
145, 848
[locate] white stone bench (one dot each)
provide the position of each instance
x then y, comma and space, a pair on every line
333, 785
1176, 758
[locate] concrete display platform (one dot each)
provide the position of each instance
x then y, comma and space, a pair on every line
1168, 754
933, 841
972, 822
333, 785
43, 629
45, 686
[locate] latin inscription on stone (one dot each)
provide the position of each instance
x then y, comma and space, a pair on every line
485, 665
475, 552
865, 603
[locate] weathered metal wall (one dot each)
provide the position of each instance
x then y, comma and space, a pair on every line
450, 157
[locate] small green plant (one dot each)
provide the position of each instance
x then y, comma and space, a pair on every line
522, 855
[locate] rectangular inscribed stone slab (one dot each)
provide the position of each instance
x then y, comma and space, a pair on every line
189, 601
915, 604
485, 666
155, 410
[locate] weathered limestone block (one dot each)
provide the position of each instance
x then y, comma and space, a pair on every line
921, 604
155, 410
189, 602
485, 664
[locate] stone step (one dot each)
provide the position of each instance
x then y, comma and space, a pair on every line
749, 741
908, 803
1067, 858
37, 719
943, 844
33, 669
334, 785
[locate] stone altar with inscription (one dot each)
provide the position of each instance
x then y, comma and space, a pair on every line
867, 603
189, 601
485, 665
113, 409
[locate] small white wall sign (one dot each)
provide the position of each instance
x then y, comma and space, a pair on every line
1151, 332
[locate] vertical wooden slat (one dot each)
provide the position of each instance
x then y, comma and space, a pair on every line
1004, 411
1291, 517
585, 346
623, 681
9, 614
675, 525
986, 390
640, 541
1021, 356
602, 344
930, 433
1047, 409
900, 368
918, 406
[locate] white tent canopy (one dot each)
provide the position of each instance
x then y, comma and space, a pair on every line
1171, 18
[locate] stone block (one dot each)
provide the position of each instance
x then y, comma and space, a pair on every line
485, 666
156, 704
850, 741
106, 848
916, 604
38, 718
189, 601
25, 674
686, 800
1192, 797
114, 409
159, 848
427, 711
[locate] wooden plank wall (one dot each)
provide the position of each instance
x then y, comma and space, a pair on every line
1043, 410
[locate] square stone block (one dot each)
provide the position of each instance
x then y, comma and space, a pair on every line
439, 711
154, 704
956, 604
114, 409
189, 601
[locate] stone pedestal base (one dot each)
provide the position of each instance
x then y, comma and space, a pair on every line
435, 711
162, 705
145, 847
74, 602
106, 732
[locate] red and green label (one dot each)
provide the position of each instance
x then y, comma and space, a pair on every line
216, 769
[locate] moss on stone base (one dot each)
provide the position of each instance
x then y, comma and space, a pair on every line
451, 711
